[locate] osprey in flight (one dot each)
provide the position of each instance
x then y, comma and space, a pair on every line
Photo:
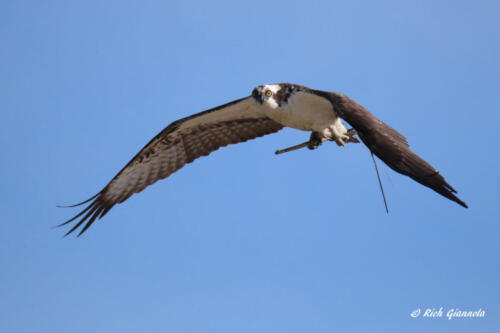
269, 109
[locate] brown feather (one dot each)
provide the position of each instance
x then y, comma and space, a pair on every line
389, 145
173, 148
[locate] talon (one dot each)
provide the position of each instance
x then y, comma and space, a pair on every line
313, 145
315, 141
351, 134
341, 142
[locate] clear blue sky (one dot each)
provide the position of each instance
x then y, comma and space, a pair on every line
246, 241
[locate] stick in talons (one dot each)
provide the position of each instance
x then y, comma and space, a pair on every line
286, 150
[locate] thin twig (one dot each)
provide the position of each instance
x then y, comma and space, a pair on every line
380, 183
286, 150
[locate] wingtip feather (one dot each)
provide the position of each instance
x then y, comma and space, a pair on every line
80, 203
95, 210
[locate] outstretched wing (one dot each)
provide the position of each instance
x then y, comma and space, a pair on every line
181, 142
389, 145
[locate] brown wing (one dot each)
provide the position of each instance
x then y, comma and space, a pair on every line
389, 145
181, 142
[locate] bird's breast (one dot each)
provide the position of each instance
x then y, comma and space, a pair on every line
304, 111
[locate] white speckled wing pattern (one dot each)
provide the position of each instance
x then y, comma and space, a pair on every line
181, 142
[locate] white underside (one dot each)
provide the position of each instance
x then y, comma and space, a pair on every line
308, 112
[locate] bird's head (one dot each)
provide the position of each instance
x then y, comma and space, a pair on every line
274, 95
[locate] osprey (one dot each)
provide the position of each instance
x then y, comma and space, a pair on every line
269, 109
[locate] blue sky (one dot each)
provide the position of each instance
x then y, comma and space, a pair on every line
246, 241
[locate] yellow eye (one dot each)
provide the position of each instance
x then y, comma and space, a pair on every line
268, 93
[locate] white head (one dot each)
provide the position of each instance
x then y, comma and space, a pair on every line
275, 95
268, 94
